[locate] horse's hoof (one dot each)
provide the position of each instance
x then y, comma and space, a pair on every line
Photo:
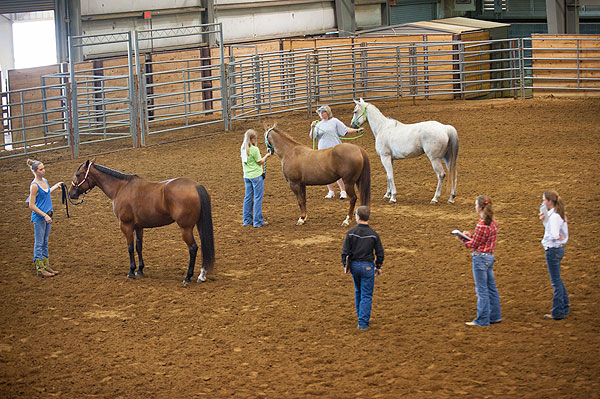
131, 276
392, 200
451, 201
433, 201
140, 274
201, 278
186, 282
300, 222
387, 195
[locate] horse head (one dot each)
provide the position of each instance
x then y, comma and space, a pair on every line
359, 115
268, 142
82, 182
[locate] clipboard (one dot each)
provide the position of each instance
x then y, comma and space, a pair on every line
459, 233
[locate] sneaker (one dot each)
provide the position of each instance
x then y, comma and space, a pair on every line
470, 323
343, 195
330, 194
363, 329
549, 316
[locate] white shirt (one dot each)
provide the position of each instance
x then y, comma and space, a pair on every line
329, 132
555, 226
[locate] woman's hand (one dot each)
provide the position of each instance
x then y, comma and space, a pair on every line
57, 185
47, 218
468, 233
541, 216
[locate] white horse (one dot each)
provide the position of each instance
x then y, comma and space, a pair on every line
395, 140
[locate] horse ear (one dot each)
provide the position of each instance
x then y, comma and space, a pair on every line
275, 125
362, 101
265, 125
356, 102
93, 161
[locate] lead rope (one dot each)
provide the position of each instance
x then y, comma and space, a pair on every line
64, 200
314, 138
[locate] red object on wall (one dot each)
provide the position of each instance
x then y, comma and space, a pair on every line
147, 15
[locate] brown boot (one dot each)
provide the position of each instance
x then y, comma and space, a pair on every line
47, 264
40, 267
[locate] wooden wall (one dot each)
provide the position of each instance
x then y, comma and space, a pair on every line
31, 78
555, 61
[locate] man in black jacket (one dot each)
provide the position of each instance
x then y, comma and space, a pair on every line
357, 257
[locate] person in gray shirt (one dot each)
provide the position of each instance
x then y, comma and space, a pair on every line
328, 131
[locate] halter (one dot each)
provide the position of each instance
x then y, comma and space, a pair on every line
269, 146
83, 193
364, 114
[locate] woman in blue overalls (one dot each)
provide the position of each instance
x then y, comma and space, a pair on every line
40, 203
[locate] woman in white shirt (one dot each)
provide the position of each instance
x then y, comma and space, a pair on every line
328, 131
556, 235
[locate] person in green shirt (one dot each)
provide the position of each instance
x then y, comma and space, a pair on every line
253, 180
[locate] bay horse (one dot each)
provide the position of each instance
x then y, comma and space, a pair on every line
395, 140
140, 204
303, 167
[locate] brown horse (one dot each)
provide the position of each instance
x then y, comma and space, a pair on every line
303, 167
140, 204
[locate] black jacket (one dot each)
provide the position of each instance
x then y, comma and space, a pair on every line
360, 243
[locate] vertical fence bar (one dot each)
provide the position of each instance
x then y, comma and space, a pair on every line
222, 70
578, 66
141, 94
522, 66
133, 97
308, 86
23, 123
44, 108
185, 98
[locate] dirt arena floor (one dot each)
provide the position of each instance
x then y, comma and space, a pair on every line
276, 320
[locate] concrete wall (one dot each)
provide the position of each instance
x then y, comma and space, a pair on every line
240, 24
7, 59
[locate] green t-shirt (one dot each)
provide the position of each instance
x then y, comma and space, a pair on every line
251, 168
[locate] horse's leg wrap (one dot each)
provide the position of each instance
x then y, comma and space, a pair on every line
131, 262
193, 250
138, 249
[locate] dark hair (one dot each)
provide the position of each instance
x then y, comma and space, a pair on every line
485, 203
559, 205
363, 213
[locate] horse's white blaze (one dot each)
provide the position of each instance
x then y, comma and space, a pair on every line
395, 140
202, 276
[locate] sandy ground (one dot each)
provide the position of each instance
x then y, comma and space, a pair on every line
277, 318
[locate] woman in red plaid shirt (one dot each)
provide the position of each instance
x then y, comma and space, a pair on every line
483, 243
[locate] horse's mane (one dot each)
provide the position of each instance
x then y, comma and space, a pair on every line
114, 173
286, 136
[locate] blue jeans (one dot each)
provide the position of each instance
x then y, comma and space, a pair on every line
363, 274
560, 301
255, 190
41, 231
488, 299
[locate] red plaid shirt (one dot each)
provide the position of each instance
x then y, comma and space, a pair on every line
484, 237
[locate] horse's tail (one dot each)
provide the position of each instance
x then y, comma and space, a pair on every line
205, 229
364, 180
451, 158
